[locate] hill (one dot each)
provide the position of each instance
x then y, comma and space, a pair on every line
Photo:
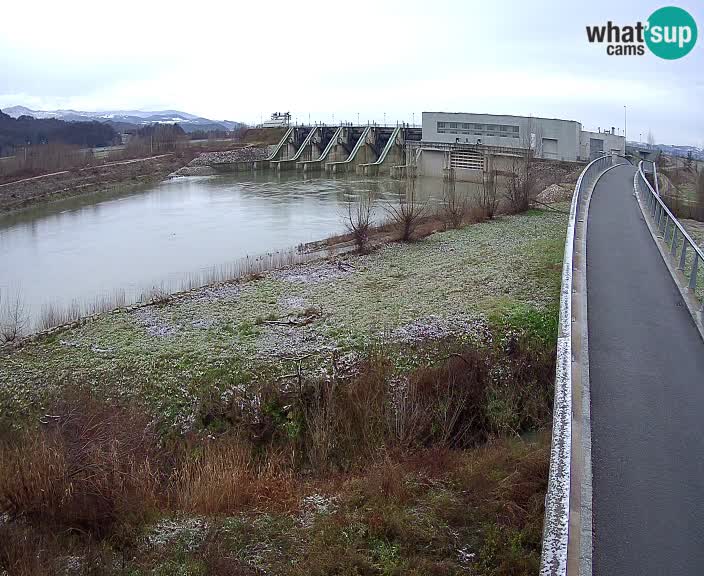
129, 119
23, 130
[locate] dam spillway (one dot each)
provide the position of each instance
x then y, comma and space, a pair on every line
353, 149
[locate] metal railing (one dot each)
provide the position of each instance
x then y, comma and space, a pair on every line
683, 250
553, 561
649, 167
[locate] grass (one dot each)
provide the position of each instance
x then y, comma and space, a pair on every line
376, 415
457, 283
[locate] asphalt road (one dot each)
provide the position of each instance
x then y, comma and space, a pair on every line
646, 363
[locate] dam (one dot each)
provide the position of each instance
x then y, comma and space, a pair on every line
370, 150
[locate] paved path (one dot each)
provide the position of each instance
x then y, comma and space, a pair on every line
646, 362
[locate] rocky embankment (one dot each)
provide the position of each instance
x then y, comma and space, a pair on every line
206, 164
67, 183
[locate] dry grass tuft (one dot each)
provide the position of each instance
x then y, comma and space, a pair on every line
89, 467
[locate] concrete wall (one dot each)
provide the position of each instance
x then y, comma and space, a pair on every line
431, 163
563, 135
610, 143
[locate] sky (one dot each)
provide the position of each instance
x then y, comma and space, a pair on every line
332, 61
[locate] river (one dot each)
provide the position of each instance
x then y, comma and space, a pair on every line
77, 251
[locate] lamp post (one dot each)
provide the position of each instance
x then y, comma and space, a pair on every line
624, 123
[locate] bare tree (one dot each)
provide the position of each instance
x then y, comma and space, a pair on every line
520, 182
521, 178
454, 207
358, 220
407, 214
488, 197
13, 319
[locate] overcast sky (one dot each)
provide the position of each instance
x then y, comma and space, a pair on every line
242, 60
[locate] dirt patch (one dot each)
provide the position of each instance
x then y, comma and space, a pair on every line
314, 273
263, 135
437, 328
150, 319
555, 193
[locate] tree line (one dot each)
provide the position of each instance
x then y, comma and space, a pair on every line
17, 133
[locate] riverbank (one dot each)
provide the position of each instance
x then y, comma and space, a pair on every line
359, 414
123, 174
450, 283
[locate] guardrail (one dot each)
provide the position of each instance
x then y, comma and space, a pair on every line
652, 168
553, 561
676, 238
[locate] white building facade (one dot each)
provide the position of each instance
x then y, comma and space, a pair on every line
469, 137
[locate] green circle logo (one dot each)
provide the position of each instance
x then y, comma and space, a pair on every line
670, 33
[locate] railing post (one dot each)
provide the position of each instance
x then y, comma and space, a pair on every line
683, 257
673, 250
693, 275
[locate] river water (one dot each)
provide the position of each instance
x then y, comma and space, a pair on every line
76, 251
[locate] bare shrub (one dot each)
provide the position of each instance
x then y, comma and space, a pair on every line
216, 479
363, 404
26, 552
88, 468
519, 183
488, 197
443, 405
358, 220
320, 413
156, 295
408, 213
53, 315
344, 421
454, 207
522, 174
13, 319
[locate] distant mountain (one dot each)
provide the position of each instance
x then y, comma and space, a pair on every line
122, 119
26, 130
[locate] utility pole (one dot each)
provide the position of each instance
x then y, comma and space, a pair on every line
624, 122
384, 118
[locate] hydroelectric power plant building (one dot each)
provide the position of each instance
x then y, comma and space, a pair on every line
465, 142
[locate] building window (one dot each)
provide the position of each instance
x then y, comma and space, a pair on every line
480, 130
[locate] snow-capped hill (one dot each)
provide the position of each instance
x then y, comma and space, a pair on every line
188, 122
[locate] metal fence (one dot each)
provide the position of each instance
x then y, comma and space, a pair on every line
649, 167
683, 250
557, 501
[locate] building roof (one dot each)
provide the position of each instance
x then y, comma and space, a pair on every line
502, 115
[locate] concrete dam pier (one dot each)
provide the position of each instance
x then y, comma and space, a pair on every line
368, 150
